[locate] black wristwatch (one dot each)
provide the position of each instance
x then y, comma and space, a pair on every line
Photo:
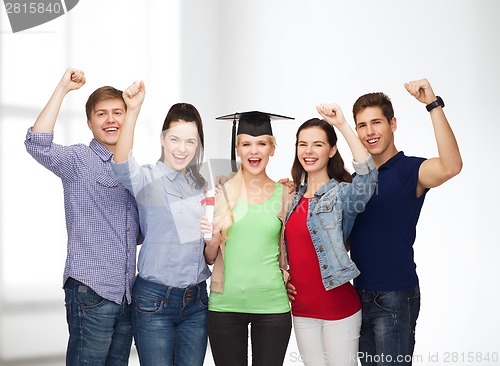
438, 102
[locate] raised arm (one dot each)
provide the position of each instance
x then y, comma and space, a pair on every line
72, 79
334, 116
435, 171
133, 96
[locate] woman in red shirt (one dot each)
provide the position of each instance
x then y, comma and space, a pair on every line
326, 310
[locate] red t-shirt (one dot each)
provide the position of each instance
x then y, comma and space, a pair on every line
312, 300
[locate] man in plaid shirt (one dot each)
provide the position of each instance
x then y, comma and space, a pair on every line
102, 225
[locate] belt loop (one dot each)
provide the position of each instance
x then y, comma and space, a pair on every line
167, 295
198, 289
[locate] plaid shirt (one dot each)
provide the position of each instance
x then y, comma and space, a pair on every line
101, 215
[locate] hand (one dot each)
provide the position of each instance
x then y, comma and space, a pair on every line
72, 79
207, 227
291, 292
421, 90
289, 183
134, 95
332, 114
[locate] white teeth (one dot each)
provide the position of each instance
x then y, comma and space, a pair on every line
372, 141
111, 129
180, 156
309, 159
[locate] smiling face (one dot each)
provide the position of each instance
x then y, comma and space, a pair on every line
376, 133
179, 143
254, 152
314, 151
105, 121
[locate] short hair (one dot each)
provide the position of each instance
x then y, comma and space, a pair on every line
379, 99
100, 94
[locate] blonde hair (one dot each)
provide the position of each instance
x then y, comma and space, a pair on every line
228, 196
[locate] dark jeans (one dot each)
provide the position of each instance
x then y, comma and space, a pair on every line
169, 323
388, 326
99, 330
228, 334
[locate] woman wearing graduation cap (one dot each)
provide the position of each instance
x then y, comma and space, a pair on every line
247, 249
169, 299
326, 308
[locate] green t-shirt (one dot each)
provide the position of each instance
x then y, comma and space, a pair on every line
253, 282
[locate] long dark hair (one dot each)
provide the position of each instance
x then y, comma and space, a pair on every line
335, 167
188, 112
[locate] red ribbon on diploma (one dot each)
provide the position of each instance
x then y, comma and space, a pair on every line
209, 201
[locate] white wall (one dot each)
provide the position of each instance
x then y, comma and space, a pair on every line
280, 56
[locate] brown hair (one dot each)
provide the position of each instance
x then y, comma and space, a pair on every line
102, 93
335, 167
380, 100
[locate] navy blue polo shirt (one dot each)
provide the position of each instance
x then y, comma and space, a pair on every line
383, 234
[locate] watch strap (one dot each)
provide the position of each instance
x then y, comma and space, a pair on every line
438, 102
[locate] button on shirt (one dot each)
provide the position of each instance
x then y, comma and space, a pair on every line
169, 210
101, 215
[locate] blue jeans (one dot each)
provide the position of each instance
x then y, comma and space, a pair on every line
99, 330
388, 326
169, 323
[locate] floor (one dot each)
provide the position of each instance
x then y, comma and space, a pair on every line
290, 360
134, 361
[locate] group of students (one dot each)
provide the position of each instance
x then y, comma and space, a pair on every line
277, 250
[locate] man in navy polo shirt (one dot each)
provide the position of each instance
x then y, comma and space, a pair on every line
383, 235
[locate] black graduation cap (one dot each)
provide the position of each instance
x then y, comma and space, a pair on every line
252, 123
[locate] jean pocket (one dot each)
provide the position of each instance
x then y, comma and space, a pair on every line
389, 301
146, 304
204, 300
86, 298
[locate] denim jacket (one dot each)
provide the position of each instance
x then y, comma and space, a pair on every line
330, 219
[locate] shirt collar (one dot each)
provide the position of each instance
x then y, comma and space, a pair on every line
389, 163
171, 173
100, 150
325, 188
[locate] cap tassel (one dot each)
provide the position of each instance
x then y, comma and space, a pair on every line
233, 147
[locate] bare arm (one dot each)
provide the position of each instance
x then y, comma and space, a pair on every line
435, 171
133, 96
334, 116
72, 79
